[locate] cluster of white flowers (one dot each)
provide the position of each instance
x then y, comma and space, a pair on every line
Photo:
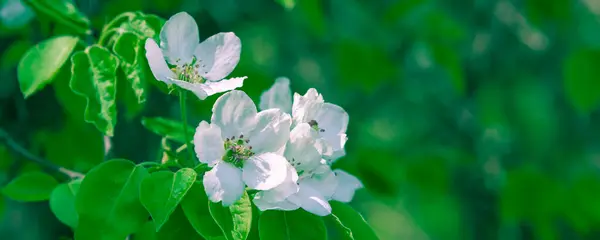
285, 151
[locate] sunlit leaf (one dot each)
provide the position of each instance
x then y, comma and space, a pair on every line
108, 201
292, 225
162, 191
94, 78
41, 62
235, 221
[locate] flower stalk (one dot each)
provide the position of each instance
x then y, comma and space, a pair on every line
182, 105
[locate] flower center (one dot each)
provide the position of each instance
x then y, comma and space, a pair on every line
315, 125
237, 150
189, 71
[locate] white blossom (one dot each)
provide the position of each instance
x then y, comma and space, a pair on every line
240, 144
330, 120
318, 138
197, 67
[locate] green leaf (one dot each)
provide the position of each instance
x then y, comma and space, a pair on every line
580, 75
108, 201
291, 225
195, 207
30, 187
94, 78
41, 62
142, 25
64, 12
162, 191
345, 232
352, 223
235, 221
177, 227
62, 203
129, 48
145, 25
147, 232
253, 235
167, 128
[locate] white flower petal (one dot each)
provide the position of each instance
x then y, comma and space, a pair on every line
300, 150
218, 55
224, 183
203, 90
347, 185
208, 143
332, 121
157, 63
211, 88
278, 96
265, 205
192, 87
311, 200
271, 132
288, 187
323, 147
300, 102
264, 171
179, 38
323, 180
235, 113
338, 153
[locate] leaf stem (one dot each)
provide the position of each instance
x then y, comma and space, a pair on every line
182, 99
30, 156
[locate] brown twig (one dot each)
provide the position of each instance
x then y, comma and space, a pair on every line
43, 162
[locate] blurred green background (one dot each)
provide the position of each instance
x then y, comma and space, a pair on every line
473, 119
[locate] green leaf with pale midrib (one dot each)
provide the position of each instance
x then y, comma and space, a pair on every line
235, 221
30, 187
39, 64
343, 230
108, 201
351, 220
94, 78
161, 192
